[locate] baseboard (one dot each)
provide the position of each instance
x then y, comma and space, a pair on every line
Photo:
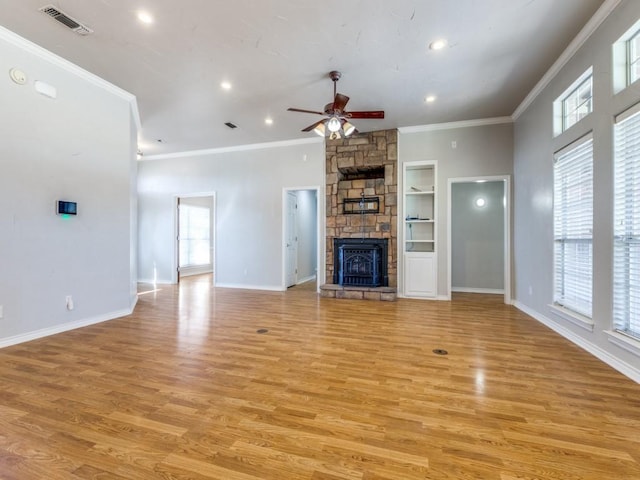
306, 279
623, 367
190, 271
65, 327
155, 282
492, 291
250, 287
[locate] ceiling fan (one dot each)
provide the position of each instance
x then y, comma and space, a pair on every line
337, 124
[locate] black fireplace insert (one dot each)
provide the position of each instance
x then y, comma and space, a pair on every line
360, 262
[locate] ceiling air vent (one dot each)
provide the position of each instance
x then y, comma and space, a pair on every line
66, 20
230, 125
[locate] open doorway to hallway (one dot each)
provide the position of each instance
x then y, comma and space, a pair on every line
300, 236
195, 234
479, 232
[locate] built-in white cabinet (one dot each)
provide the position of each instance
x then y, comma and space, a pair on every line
419, 229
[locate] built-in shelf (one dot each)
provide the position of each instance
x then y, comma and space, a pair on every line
419, 229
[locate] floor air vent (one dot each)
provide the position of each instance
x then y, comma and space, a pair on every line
66, 20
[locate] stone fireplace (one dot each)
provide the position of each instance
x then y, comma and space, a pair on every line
362, 170
360, 262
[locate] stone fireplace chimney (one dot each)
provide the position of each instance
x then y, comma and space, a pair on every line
363, 166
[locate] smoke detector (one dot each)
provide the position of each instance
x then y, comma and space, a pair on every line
65, 19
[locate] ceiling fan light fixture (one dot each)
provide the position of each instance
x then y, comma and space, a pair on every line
333, 124
348, 128
319, 130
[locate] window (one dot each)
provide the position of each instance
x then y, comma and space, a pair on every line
626, 58
573, 225
575, 103
626, 230
195, 235
633, 58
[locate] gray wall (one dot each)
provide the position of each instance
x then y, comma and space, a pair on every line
479, 151
307, 234
76, 147
533, 185
477, 237
249, 188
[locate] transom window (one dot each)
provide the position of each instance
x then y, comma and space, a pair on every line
633, 57
575, 103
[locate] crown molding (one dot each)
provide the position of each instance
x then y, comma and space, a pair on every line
235, 148
50, 57
451, 125
594, 22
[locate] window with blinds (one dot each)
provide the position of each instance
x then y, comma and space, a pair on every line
195, 236
573, 226
626, 230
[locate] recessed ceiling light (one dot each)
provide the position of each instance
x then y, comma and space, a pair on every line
226, 85
268, 121
430, 99
145, 17
438, 44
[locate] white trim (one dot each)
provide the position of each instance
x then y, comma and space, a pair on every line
573, 317
319, 229
43, 54
155, 282
235, 148
601, 14
451, 125
489, 291
45, 332
193, 270
243, 286
625, 342
623, 367
507, 229
307, 279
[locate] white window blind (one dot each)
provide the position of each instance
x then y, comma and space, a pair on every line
626, 249
195, 235
573, 226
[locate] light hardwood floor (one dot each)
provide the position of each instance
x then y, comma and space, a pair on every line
185, 388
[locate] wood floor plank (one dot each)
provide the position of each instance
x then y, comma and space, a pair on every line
186, 388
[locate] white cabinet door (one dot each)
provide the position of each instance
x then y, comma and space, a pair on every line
420, 274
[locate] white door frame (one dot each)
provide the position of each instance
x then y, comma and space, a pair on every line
507, 228
319, 230
176, 230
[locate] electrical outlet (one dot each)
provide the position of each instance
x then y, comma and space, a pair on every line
1, 311
530, 290
69, 301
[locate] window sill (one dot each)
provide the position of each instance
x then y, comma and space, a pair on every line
624, 341
573, 317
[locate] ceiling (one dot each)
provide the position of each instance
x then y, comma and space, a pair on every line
278, 53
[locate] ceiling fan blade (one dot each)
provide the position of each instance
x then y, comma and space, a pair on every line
372, 114
304, 111
339, 102
311, 127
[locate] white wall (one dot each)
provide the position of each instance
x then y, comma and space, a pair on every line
481, 150
77, 147
248, 185
477, 237
307, 234
533, 185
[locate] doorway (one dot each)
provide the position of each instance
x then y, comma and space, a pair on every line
195, 234
479, 251
300, 246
